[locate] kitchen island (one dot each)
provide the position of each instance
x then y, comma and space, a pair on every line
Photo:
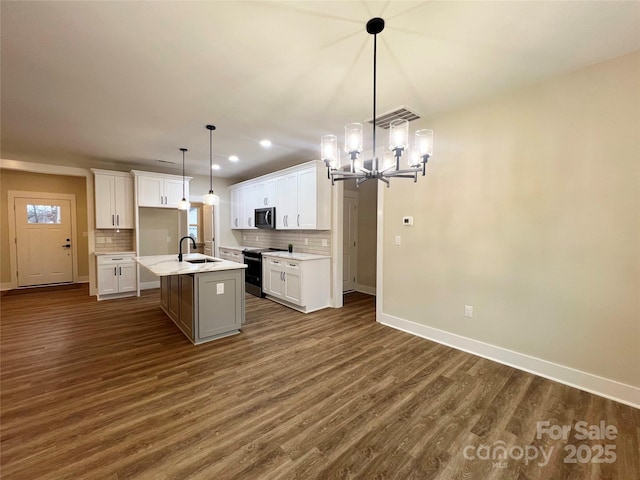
203, 295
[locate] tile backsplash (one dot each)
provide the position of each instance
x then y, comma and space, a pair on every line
318, 241
113, 241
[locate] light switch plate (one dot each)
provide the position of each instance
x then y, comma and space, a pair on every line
468, 311
398, 240
220, 288
407, 221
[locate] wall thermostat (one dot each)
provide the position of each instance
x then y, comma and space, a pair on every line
407, 220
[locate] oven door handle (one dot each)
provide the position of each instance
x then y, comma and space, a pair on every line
251, 259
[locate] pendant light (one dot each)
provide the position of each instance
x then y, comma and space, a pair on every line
210, 198
184, 203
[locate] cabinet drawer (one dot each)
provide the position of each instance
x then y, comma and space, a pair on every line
115, 259
291, 265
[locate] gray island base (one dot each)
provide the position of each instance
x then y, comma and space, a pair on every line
205, 301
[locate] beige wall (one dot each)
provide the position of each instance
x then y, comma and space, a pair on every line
530, 212
158, 235
38, 182
200, 186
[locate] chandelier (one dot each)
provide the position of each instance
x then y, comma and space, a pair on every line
386, 163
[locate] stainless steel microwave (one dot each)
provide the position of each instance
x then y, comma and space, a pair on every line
265, 217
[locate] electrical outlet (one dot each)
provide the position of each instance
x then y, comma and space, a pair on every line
398, 240
468, 311
407, 221
100, 240
109, 240
244, 237
325, 242
257, 238
219, 288
306, 241
168, 239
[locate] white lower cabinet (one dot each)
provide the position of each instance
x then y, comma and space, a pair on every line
117, 276
300, 284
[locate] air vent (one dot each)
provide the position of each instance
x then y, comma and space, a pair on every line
166, 161
401, 112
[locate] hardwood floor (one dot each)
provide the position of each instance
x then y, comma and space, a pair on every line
101, 390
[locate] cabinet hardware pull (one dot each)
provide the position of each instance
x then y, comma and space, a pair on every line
298, 220
116, 259
120, 270
112, 222
118, 220
115, 270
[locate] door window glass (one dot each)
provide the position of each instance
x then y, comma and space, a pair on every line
43, 214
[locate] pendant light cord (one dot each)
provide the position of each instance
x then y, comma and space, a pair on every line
210, 161
375, 160
183, 150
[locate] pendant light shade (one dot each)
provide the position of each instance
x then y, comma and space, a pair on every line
210, 198
184, 203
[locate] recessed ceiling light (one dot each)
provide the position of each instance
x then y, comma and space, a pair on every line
234, 158
215, 166
265, 143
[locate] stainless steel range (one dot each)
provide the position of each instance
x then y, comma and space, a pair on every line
253, 272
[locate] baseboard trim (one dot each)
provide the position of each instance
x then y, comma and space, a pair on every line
611, 389
366, 289
6, 286
82, 279
149, 285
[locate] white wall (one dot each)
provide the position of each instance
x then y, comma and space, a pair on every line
530, 212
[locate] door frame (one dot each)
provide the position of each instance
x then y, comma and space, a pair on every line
355, 195
13, 248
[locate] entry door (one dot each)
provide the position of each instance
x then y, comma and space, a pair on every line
43, 241
350, 243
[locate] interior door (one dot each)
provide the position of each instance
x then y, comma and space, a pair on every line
43, 241
350, 243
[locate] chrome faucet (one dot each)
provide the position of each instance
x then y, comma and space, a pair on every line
180, 243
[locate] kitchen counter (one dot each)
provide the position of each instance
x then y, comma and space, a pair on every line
295, 255
130, 252
163, 265
204, 300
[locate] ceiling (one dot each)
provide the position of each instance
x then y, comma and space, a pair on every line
128, 83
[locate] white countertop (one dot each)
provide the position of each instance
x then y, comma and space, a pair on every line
240, 248
115, 253
163, 265
295, 255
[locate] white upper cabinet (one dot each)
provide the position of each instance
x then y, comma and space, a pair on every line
266, 193
301, 195
287, 201
113, 199
159, 190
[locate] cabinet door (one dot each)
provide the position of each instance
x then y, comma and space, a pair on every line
269, 192
127, 277
123, 188
173, 192
236, 208
287, 201
105, 201
293, 283
164, 293
249, 193
275, 279
174, 298
150, 191
186, 304
306, 199
107, 279
207, 224
220, 308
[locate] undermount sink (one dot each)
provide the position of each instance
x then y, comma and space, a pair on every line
202, 260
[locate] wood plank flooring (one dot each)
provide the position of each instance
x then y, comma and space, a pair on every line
106, 390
